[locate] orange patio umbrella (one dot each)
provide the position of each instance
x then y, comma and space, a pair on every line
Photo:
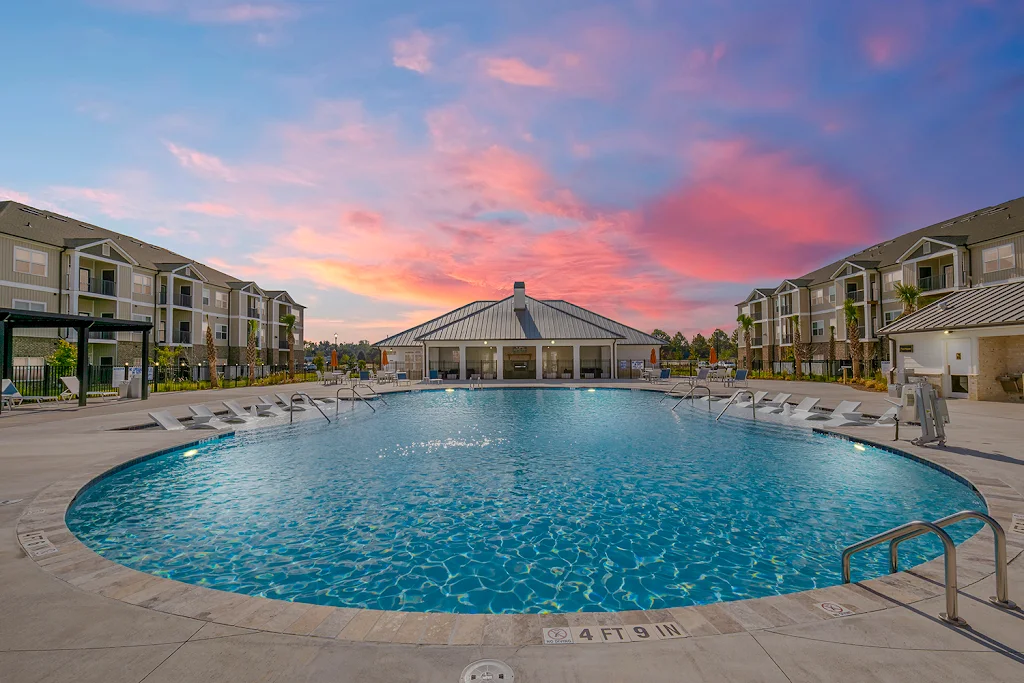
714, 356
383, 357
654, 357
334, 358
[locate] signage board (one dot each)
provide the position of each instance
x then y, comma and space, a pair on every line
906, 348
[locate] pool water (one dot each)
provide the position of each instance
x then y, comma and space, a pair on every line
512, 501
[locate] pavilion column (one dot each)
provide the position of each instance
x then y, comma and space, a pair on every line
462, 361
145, 365
499, 358
540, 361
576, 361
7, 350
83, 365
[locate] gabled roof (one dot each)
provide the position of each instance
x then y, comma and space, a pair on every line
795, 284
948, 241
175, 267
995, 305
758, 293
859, 265
498, 320
83, 242
249, 285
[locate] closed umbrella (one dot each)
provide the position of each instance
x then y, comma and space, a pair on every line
384, 358
334, 358
654, 357
714, 356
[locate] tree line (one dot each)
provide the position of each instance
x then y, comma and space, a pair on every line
678, 347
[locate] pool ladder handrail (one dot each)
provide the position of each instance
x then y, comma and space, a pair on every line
951, 615
672, 392
753, 406
690, 395
372, 390
355, 395
1002, 596
291, 406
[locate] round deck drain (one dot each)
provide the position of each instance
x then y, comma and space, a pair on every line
487, 671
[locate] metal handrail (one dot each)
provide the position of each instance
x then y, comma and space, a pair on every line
291, 406
1002, 596
671, 392
355, 394
690, 392
374, 391
951, 614
753, 407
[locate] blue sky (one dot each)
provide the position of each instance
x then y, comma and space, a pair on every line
385, 162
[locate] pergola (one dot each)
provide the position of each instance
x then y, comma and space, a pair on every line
13, 318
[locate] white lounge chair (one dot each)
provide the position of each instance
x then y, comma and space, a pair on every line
805, 410
758, 397
11, 397
202, 411
289, 404
166, 420
718, 399
888, 418
72, 389
257, 410
774, 405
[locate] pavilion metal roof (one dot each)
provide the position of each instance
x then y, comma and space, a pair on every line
17, 317
995, 305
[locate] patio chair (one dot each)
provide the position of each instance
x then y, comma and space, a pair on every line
700, 378
72, 389
805, 410
719, 399
257, 410
402, 378
888, 418
433, 377
172, 424
202, 411
845, 414
758, 397
664, 376
12, 397
289, 404
737, 380
272, 402
774, 405
364, 376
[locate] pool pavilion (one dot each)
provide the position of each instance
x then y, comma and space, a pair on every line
522, 338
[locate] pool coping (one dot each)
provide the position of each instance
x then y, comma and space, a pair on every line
46, 539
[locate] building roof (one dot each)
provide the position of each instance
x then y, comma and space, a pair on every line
971, 228
46, 227
498, 320
994, 305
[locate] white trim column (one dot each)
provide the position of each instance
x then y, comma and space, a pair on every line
540, 361
499, 358
576, 361
462, 361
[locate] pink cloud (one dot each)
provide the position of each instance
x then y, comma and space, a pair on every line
14, 195
201, 163
413, 52
212, 11
749, 206
517, 72
108, 202
211, 209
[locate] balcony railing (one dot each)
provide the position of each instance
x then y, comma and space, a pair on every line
180, 300
786, 339
757, 341
756, 315
282, 344
108, 336
786, 310
857, 295
182, 337
102, 287
932, 282
252, 312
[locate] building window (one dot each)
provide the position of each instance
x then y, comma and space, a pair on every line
832, 294
37, 306
817, 328
220, 331
105, 250
30, 261
220, 299
890, 316
817, 297
998, 258
926, 248
142, 284
206, 296
142, 318
890, 280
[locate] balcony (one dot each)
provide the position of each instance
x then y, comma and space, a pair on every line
757, 341
253, 313
102, 336
282, 344
101, 287
857, 295
182, 337
932, 282
786, 309
756, 315
180, 300
786, 339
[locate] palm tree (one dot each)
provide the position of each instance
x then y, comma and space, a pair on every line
251, 352
211, 357
747, 325
909, 296
851, 313
798, 349
831, 348
289, 320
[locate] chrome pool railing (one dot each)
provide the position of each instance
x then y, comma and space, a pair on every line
291, 406
951, 615
753, 407
372, 391
1002, 596
355, 395
689, 394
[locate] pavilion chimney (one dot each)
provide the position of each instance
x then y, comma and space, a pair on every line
519, 296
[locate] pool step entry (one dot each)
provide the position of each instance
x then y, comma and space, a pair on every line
357, 396
309, 401
910, 530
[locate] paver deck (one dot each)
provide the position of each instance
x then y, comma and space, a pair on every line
72, 615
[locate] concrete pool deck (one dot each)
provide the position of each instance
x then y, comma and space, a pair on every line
73, 616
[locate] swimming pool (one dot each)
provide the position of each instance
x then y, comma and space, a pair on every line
511, 501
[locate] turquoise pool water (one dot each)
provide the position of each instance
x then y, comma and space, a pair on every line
509, 501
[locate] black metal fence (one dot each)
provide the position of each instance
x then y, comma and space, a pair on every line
557, 369
44, 380
445, 368
487, 369
595, 369
820, 368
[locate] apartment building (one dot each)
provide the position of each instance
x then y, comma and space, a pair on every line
980, 248
55, 263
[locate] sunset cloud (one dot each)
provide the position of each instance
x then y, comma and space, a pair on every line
200, 163
517, 72
413, 52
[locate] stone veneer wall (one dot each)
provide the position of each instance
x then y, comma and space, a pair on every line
997, 356
34, 347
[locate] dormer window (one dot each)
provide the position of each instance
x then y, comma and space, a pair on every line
926, 248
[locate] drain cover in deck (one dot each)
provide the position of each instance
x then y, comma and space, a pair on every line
487, 671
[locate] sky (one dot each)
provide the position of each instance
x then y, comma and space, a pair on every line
388, 161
